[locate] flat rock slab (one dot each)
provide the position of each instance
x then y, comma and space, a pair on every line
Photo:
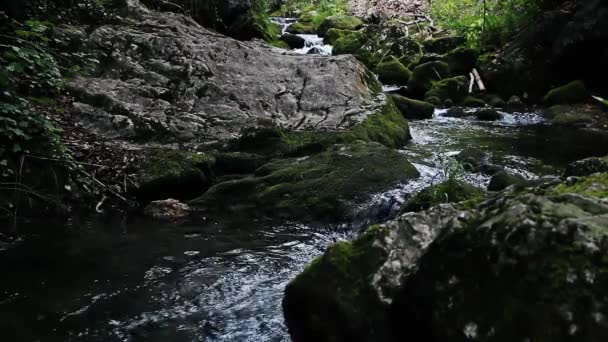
166, 78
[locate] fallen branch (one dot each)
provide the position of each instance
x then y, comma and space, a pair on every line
471, 83
480, 84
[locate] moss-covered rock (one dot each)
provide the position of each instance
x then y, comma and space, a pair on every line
472, 101
301, 28
572, 115
595, 185
521, 267
229, 163
413, 109
326, 186
587, 167
503, 180
454, 88
391, 71
174, 174
450, 191
471, 158
342, 22
494, 100
334, 34
443, 45
332, 299
424, 75
462, 60
573, 92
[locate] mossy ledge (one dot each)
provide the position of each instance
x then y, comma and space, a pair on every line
332, 299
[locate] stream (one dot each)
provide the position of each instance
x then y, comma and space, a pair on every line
222, 279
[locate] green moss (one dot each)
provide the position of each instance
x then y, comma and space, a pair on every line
462, 60
413, 109
571, 115
595, 185
301, 28
424, 75
573, 92
471, 101
443, 44
454, 88
318, 187
174, 173
450, 191
391, 71
335, 34
333, 297
342, 22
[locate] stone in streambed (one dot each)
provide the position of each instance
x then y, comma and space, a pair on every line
294, 41
487, 115
462, 60
587, 167
424, 75
325, 186
572, 115
169, 209
454, 88
392, 72
413, 109
471, 101
450, 191
503, 180
334, 34
443, 44
341, 22
174, 174
471, 158
301, 28
573, 92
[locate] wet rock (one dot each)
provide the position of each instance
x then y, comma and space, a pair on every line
450, 191
294, 41
301, 28
413, 109
587, 167
538, 255
392, 72
471, 158
595, 185
228, 163
540, 262
488, 115
471, 101
502, 180
426, 58
169, 209
494, 100
462, 60
515, 103
324, 186
315, 51
167, 79
573, 115
341, 22
178, 174
456, 113
573, 92
454, 88
424, 75
334, 34
443, 45
490, 169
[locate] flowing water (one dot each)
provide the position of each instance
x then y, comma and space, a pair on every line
223, 279
313, 44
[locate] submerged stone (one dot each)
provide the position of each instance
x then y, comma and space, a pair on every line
488, 115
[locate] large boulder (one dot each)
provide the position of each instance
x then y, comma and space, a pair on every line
325, 186
443, 45
293, 40
391, 71
424, 75
514, 267
587, 167
462, 60
449, 191
573, 92
165, 78
454, 88
334, 34
413, 109
341, 22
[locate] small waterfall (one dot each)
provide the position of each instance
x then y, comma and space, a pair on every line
313, 44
